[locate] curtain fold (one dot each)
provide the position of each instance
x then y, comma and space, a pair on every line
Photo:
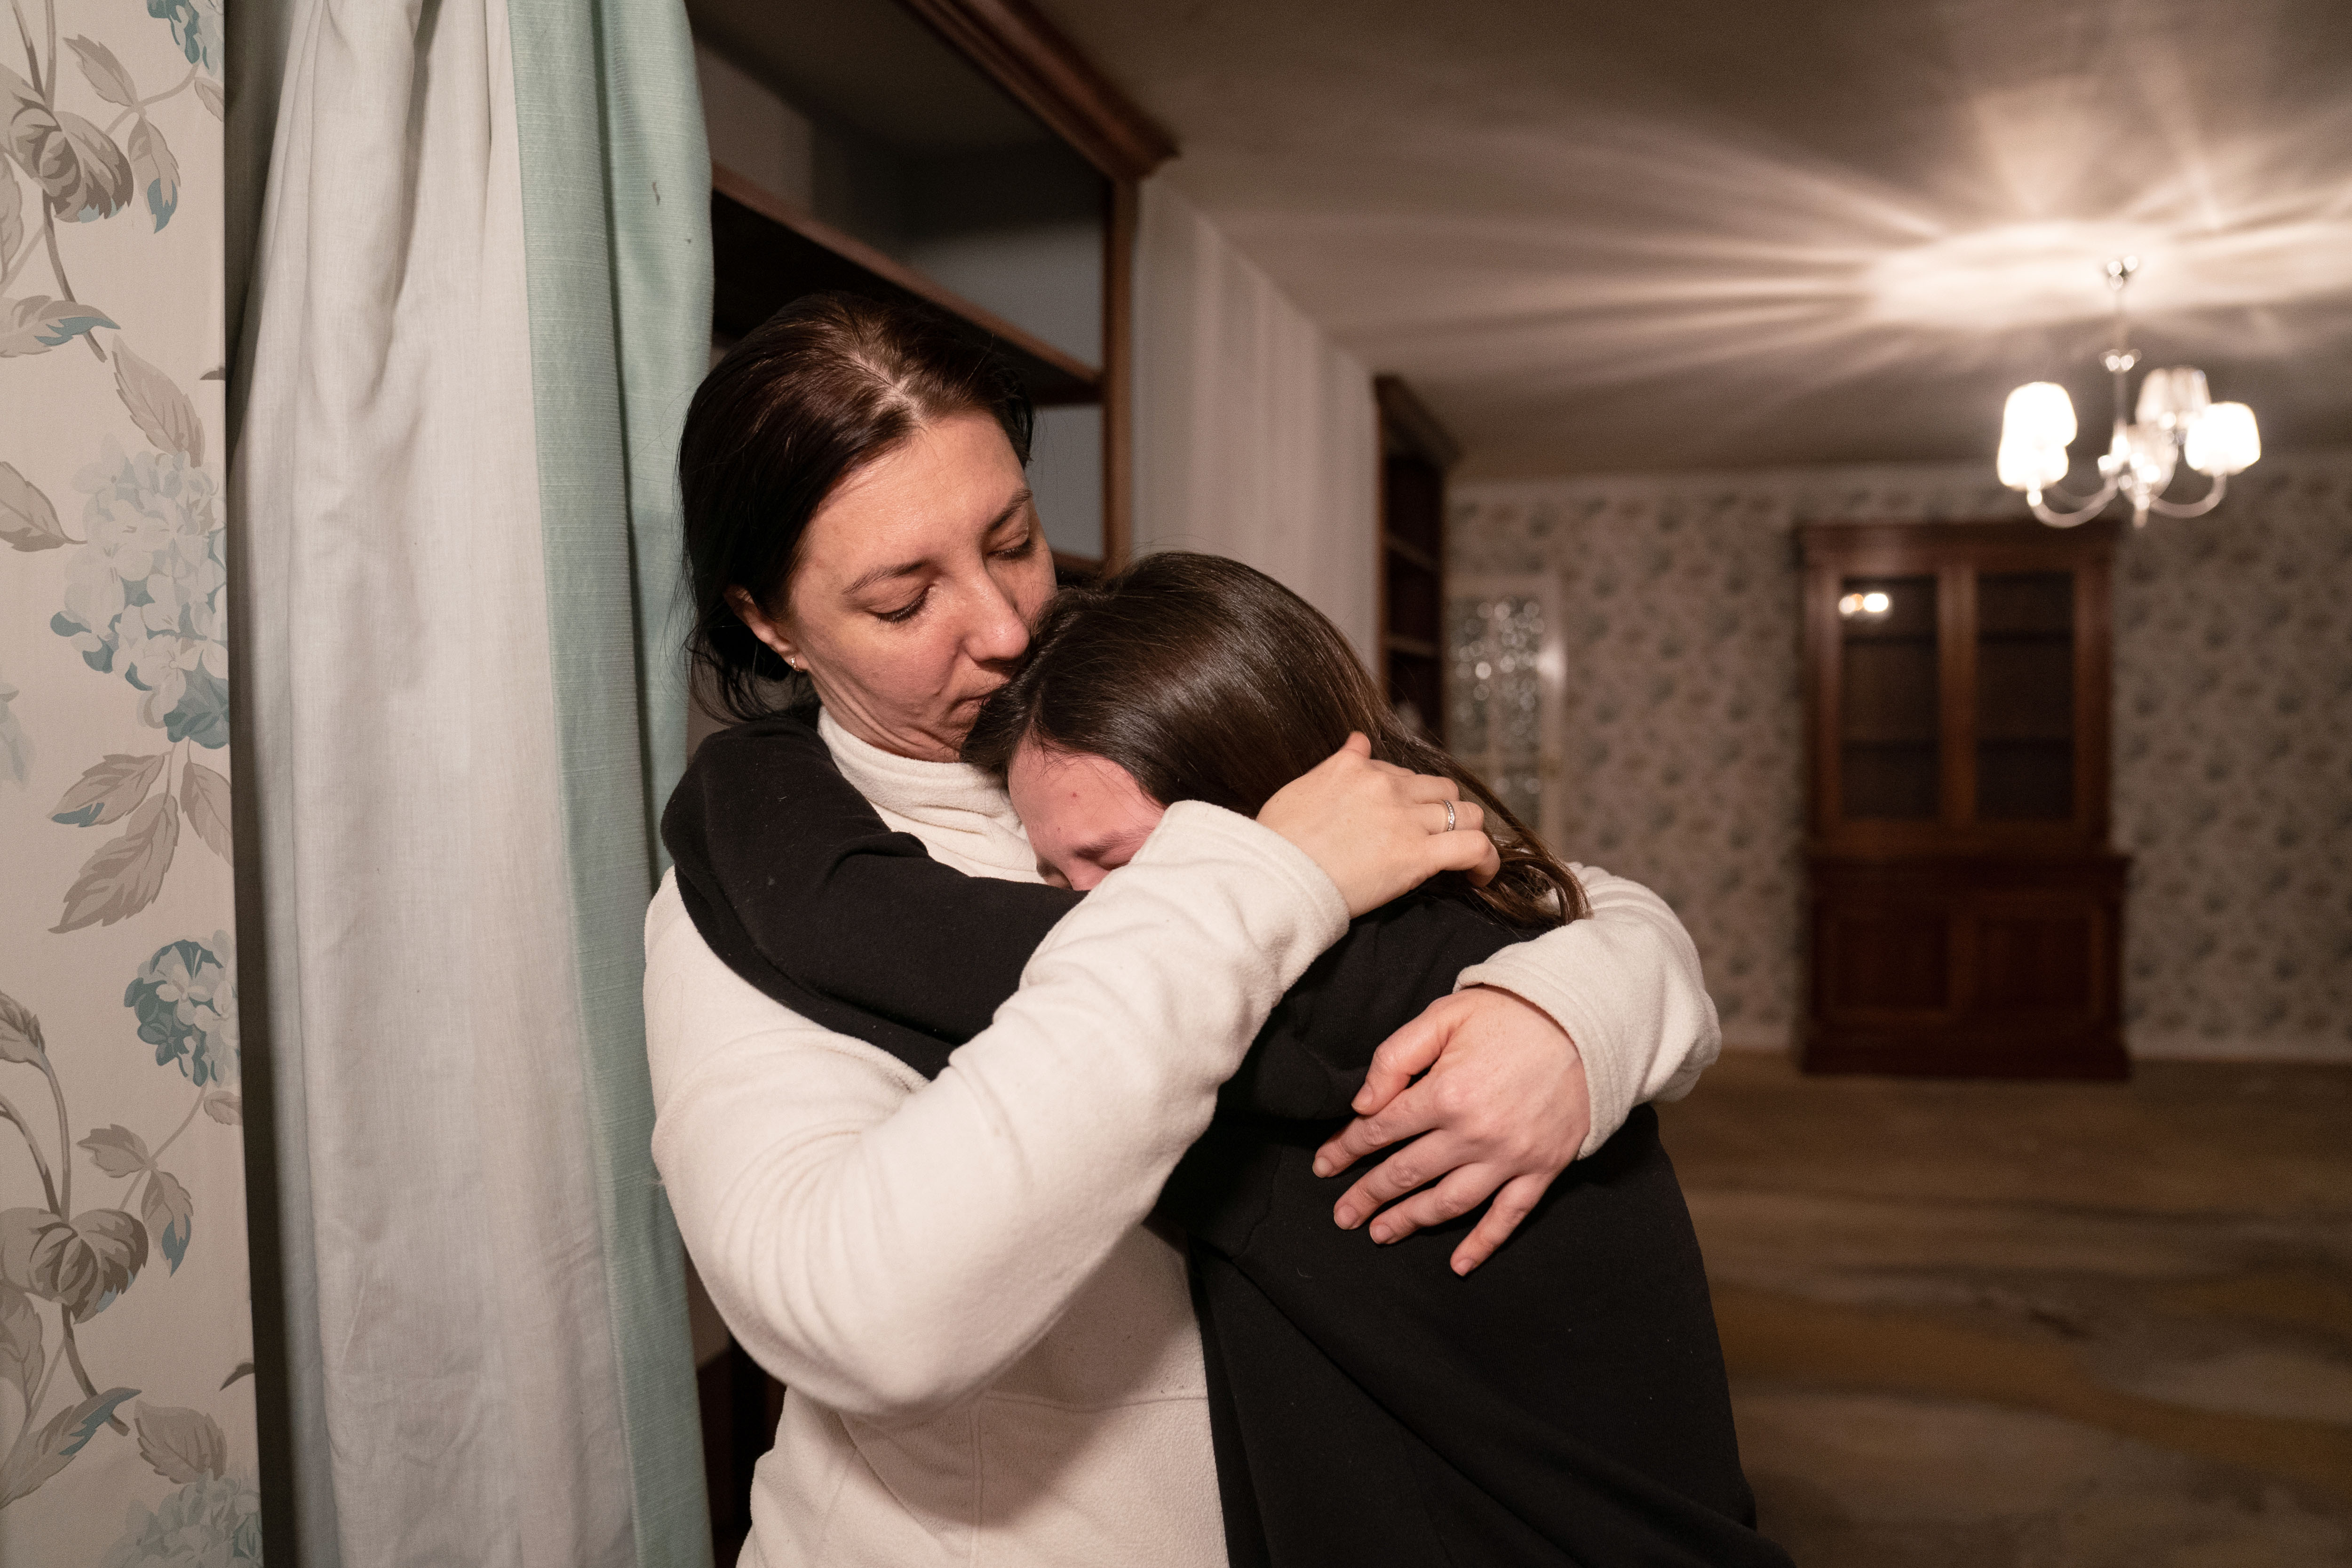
616, 210
470, 326
1256, 437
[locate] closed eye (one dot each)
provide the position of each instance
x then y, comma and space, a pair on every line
905, 612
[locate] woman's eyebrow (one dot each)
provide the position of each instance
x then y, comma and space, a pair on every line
884, 574
1021, 498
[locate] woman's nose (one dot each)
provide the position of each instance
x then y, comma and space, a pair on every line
998, 632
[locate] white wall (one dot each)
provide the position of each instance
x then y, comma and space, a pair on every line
1255, 437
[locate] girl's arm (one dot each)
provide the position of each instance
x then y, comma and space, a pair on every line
796, 881
891, 1246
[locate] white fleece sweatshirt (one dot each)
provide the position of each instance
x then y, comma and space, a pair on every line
988, 1360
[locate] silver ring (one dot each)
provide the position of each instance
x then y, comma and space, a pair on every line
1449, 817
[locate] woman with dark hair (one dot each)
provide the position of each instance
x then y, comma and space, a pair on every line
923, 1210
1568, 1403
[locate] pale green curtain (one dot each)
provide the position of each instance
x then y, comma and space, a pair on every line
480, 301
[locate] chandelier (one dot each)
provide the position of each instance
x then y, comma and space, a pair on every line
2176, 421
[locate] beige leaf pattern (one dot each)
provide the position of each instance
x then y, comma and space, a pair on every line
118, 1151
111, 790
36, 323
107, 77
126, 874
160, 410
27, 521
206, 794
39, 1455
181, 1445
20, 1341
20, 1032
12, 218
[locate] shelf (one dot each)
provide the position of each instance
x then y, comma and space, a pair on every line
1423, 647
756, 234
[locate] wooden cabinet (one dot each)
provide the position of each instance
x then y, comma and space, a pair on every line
1964, 909
1415, 453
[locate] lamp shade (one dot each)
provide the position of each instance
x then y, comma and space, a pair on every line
2170, 399
2039, 414
2026, 467
2223, 440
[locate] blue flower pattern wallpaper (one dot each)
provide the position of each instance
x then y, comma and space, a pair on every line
127, 1430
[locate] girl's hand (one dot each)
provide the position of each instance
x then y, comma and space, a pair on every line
1379, 830
1501, 1108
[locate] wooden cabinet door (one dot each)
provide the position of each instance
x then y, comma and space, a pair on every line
1956, 689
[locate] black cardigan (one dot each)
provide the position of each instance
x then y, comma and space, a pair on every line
1565, 1404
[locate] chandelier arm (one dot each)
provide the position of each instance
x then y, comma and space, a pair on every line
2195, 508
2090, 508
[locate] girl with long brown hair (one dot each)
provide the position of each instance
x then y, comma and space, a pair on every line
1565, 1404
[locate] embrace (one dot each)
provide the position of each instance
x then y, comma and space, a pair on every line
1087, 1031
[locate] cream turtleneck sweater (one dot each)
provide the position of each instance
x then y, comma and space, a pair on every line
988, 1360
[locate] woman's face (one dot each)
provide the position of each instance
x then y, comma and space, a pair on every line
917, 582
1086, 816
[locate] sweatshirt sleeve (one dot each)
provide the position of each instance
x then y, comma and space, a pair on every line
890, 1245
1626, 986
793, 878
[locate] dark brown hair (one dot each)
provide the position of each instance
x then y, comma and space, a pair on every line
817, 391
1207, 679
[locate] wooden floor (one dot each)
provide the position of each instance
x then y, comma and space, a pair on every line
1993, 1324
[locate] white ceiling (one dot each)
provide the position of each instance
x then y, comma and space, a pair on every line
1732, 233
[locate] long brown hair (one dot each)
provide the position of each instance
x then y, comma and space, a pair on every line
1209, 680
817, 391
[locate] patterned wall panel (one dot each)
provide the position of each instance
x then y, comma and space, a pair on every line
126, 1403
1681, 761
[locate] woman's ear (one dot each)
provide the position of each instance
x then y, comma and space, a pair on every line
747, 610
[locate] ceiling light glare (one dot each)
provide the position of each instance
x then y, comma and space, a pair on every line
2223, 440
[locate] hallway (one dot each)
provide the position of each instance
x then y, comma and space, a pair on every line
1974, 1324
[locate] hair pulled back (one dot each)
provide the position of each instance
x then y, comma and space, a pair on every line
817, 391
1207, 679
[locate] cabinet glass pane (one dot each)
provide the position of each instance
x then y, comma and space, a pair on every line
1889, 756
1494, 721
2025, 697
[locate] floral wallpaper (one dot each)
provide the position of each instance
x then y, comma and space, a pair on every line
126, 1405
1682, 766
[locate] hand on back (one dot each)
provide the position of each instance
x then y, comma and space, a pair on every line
1491, 1094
